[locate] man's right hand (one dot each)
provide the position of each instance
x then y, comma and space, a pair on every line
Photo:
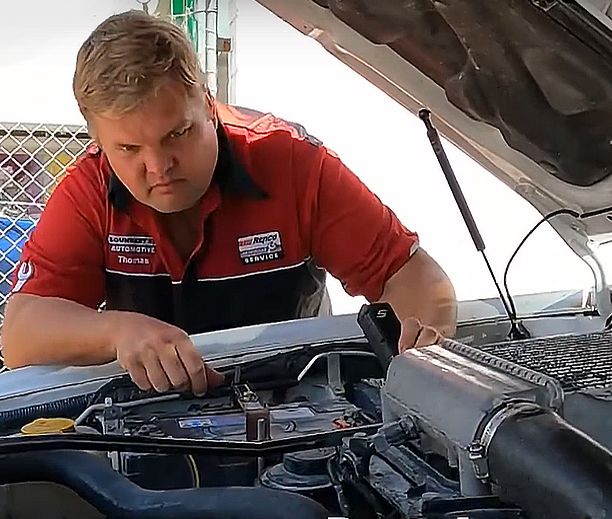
160, 356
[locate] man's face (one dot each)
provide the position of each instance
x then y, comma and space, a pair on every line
165, 151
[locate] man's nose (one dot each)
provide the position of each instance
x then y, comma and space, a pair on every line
158, 162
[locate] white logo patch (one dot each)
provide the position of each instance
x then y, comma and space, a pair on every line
260, 247
131, 244
24, 273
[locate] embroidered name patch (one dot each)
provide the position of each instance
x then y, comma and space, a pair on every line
132, 249
260, 247
131, 244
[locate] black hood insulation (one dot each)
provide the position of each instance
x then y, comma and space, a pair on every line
540, 72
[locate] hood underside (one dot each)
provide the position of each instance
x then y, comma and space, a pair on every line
523, 87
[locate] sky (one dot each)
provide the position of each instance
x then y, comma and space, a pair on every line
286, 73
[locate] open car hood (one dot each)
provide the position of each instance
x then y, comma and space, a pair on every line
523, 87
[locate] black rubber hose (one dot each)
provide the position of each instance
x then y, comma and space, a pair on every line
94, 480
551, 469
15, 418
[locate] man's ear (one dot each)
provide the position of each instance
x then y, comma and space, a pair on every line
91, 130
211, 105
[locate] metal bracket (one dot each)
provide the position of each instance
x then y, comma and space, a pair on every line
476, 454
334, 373
334, 365
545, 5
112, 423
602, 290
145, 5
257, 416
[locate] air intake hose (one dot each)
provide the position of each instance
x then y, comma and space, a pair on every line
549, 468
93, 479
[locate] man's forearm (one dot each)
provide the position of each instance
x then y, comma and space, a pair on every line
421, 289
45, 330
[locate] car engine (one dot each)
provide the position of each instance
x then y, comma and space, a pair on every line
244, 412
342, 429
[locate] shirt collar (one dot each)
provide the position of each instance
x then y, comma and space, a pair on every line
230, 175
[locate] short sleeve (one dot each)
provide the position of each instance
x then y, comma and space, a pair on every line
64, 255
353, 235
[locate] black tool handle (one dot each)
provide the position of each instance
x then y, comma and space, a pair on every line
382, 329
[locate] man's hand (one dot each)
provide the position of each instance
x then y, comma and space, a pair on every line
156, 355
160, 356
424, 301
415, 334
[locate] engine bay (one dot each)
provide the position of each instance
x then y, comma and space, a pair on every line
240, 413
340, 429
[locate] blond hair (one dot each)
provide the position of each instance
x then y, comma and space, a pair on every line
127, 58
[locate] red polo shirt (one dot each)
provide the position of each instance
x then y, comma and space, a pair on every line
282, 210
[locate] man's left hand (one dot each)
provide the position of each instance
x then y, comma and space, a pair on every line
415, 335
424, 301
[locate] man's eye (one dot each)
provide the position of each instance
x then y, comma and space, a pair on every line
180, 133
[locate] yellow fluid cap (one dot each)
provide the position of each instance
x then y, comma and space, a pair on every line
48, 426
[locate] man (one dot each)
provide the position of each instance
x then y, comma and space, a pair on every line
189, 216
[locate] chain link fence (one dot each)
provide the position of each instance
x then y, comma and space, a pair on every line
33, 158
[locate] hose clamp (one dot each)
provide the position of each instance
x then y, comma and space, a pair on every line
478, 450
